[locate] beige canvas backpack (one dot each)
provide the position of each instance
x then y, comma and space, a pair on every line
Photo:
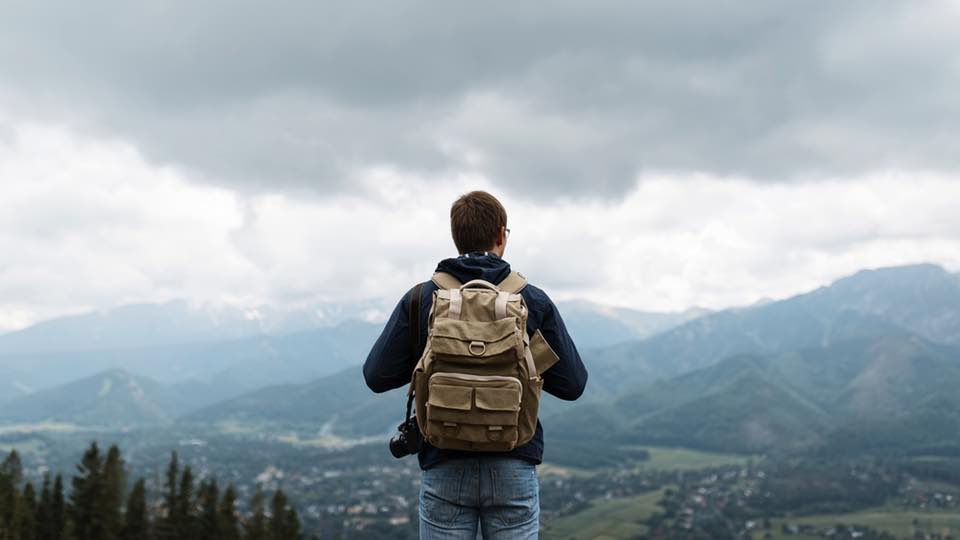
477, 384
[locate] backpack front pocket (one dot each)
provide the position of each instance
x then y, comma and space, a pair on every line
471, 342
473, 411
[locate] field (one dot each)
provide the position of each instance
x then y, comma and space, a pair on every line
621, 517
894, 521
684, 459
39, 427
607, 519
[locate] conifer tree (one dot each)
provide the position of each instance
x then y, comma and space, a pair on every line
27, 514
44, 523
86, 493
11, 473
227, 514
58, 510
256, 525
186, 513
167, 526
112, 492
284, 523
293, 526
208, 520
136, 524
11, 469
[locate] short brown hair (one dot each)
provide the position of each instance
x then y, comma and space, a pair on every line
475, 221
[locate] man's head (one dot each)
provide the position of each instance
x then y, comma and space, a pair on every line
478, 223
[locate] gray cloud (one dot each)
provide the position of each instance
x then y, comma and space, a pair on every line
576, 98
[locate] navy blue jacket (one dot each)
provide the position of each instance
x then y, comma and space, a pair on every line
390, 363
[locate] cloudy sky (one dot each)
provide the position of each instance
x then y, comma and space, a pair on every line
657, 155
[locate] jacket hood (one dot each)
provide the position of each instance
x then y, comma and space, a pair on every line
485, 266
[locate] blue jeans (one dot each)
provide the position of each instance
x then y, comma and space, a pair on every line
501, 494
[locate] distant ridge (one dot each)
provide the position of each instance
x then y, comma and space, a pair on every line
234, 366
922, 299
869, 363
596, 325
137, 326
113, 398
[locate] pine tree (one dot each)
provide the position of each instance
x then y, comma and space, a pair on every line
112, 492
167, 526
136, 524
209, 519
11, 474
11, 469
284, 523
256, 525
44, 521
86, 493
293, 527
58, 511
186, 513
227, 513
27, 514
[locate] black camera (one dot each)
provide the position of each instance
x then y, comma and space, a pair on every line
408, 440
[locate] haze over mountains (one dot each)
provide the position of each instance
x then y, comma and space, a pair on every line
869, 363
234, 350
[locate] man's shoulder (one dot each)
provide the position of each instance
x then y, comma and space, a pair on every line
536, 298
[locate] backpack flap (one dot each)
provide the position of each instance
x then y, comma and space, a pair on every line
476, 342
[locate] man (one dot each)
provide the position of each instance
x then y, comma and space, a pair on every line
461, 488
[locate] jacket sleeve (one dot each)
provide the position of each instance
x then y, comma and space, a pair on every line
568, 377
389, 364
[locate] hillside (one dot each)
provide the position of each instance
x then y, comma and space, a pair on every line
921, 299
886, 390
838, 369
232, 366
112, 399
12, 384
139, 326
340, 404
594, 325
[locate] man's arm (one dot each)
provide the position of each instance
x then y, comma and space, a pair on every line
568, 377
389, 364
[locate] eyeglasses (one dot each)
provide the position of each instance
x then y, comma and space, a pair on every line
507, 232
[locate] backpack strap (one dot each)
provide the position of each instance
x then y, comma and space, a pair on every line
446, 281
414, 319
514, 283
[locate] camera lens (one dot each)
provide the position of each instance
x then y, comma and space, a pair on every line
398, 447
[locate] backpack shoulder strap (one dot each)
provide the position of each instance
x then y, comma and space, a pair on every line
514, 283
446, 281
414, 320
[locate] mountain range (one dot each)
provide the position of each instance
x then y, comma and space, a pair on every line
839, 368
231, 351
868, 363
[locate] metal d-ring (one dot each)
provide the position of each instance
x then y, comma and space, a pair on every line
474, 344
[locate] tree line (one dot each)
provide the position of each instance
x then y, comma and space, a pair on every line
100, 506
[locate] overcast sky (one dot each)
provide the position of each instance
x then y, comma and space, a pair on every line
657, 155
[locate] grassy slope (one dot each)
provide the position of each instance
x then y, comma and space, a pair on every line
684, 459
609, 518
895, 521
620, 517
